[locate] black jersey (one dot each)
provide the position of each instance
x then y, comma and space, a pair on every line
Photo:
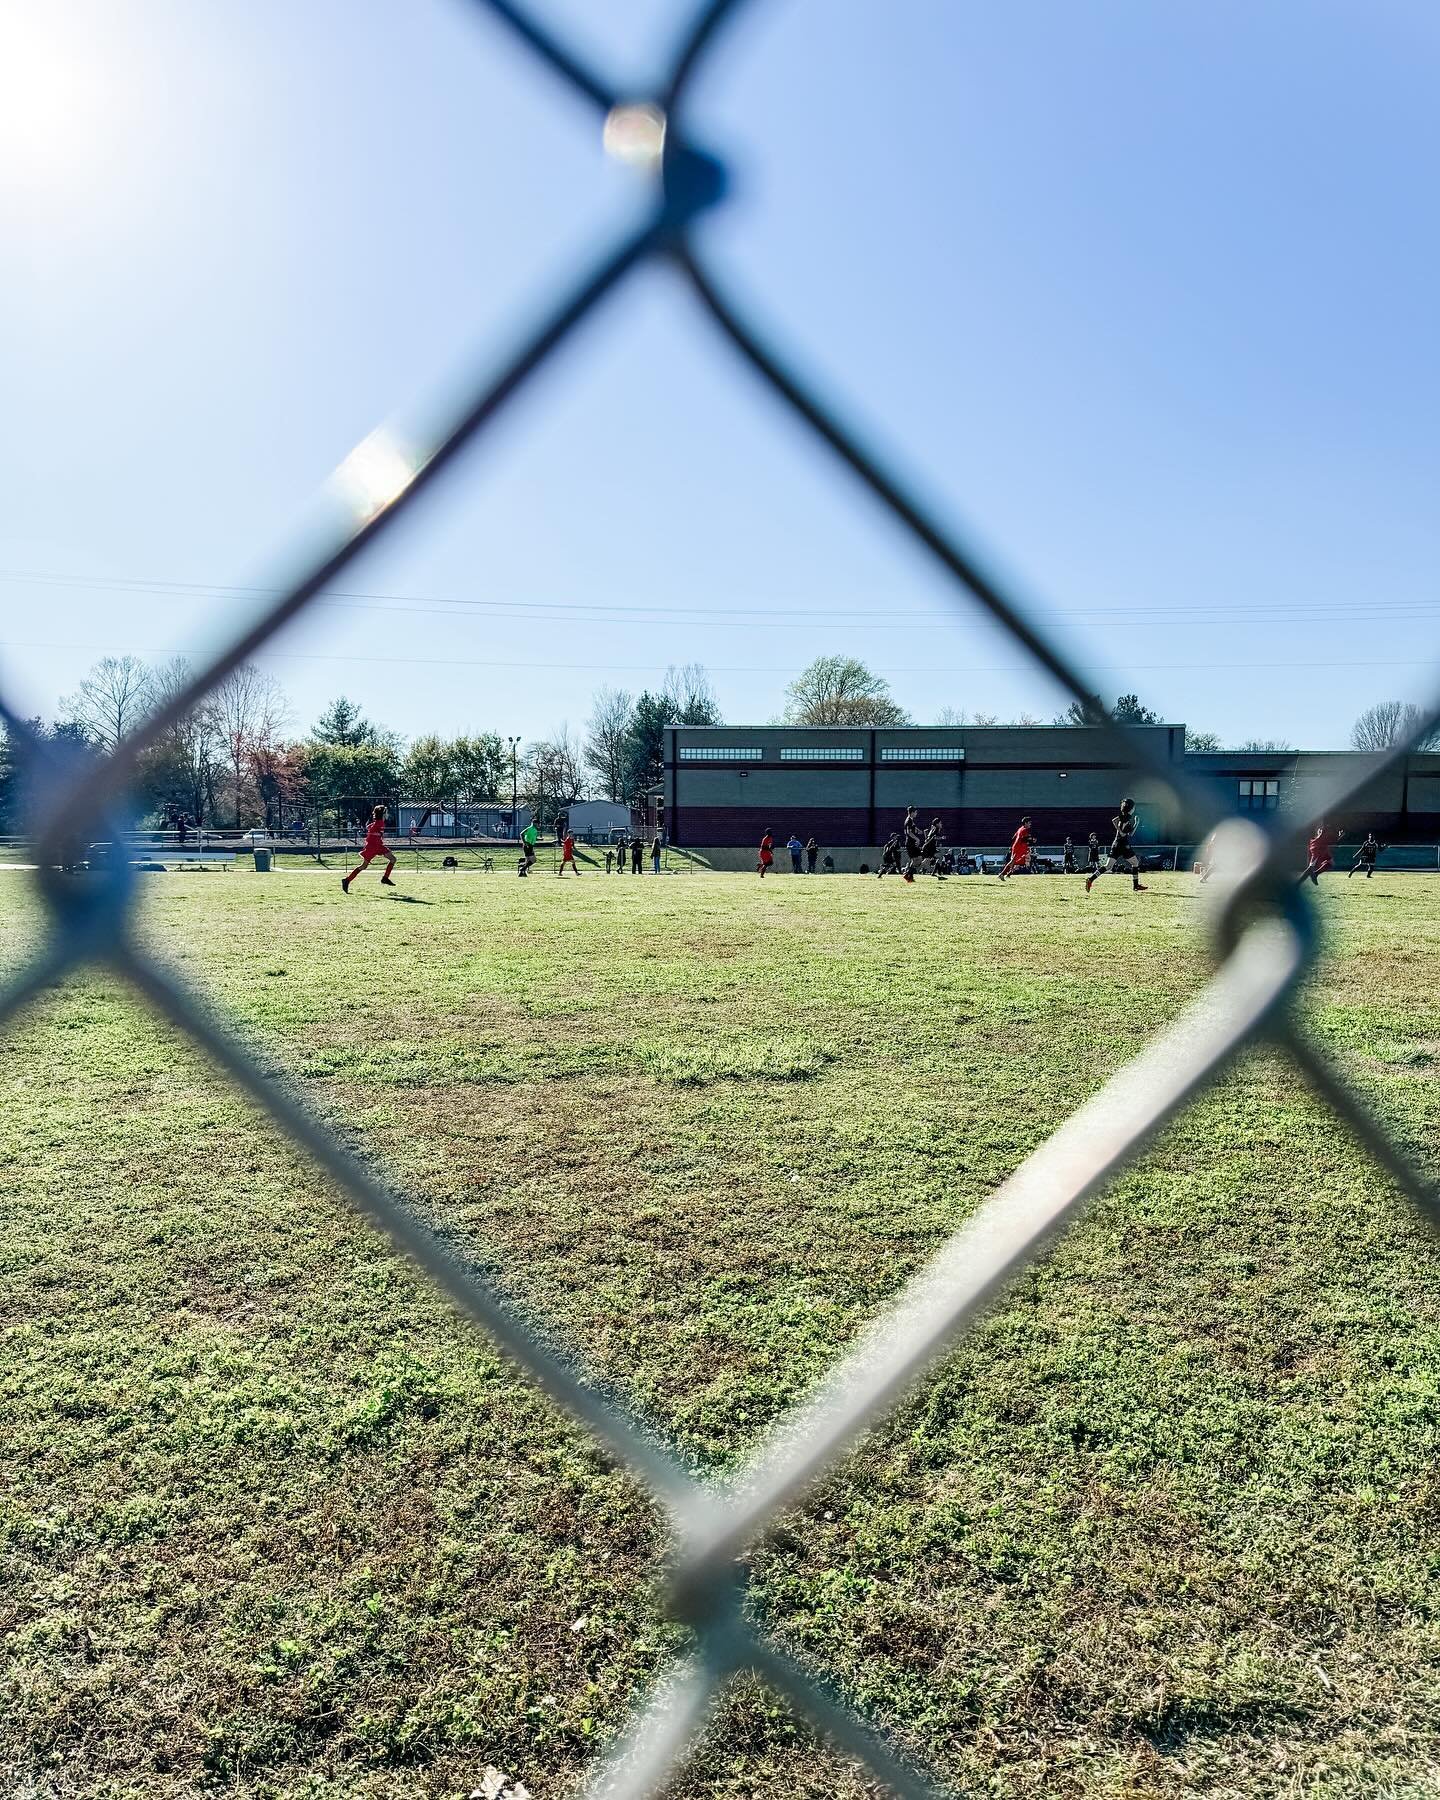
1124, 830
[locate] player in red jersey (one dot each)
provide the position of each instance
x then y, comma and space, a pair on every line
1020, 846
567, 854
374, 846
1321, 857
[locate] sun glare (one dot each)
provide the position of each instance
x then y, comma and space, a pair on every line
376, 471
51, 97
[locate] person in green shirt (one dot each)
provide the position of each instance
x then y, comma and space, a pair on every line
529, 837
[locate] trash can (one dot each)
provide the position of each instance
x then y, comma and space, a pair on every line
262, 861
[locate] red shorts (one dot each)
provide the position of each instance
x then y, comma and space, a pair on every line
766, 858
1020, 858
369, 853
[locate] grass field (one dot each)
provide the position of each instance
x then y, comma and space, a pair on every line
275, 1523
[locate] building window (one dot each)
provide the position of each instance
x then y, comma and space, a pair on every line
923, 753
720, 753
827, 753
1259, 793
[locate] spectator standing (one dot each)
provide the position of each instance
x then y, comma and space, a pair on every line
657, 844
812, 850
637, 852
797, 853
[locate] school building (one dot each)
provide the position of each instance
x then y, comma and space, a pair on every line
726, 785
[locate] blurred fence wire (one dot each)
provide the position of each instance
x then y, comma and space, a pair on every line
1265, 940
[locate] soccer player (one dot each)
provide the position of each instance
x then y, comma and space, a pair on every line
1321, 859
767, 854
1365, 857
1020, 847
567, 854
890, 856
1067, 857
1122, 859
374, 846
1093, 851
529, 837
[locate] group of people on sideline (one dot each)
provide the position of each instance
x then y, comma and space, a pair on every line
803, 857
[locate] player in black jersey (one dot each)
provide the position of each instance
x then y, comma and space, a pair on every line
1122, 859
1365, 857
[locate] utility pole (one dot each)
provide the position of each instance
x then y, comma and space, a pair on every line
515, 786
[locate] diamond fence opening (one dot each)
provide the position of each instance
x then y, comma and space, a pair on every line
1264, 932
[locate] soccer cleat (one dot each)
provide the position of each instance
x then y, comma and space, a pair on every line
385, 881
1140, 888
1089, 883
345, 883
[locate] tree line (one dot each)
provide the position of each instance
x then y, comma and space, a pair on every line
234, 760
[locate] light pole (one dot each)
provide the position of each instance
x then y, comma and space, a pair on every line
515, 786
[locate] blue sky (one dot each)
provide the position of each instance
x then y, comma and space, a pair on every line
1142, 296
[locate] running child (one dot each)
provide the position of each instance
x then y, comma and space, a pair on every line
890, 856
1122, 859
374, 846
1321, 859
1020, 847
1365, 857
567, 855
528, 839
767, 854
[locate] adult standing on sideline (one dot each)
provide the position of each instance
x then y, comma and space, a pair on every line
812, 850
657, 844
797, 852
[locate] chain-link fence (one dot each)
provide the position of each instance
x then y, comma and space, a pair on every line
1265, 939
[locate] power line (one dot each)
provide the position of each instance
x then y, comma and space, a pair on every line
773, 617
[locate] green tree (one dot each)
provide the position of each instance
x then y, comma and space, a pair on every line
840, 690
351, 778
482, 768
1202, 740
643, 759
342, 723
428, 772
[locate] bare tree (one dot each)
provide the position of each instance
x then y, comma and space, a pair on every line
840, 690
1201, 740
1390, 722
953, 716
552, 779
605, 740
112, 699
250, 713
1267, 746
691, 696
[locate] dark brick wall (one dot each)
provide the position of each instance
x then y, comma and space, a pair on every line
697, 826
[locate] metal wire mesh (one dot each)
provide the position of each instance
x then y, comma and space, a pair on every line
1264, 934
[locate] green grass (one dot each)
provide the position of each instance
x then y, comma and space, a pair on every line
276, 1523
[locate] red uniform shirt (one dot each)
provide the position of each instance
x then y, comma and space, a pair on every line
375, 835
568, 849
1020, 844
1319, 850
767, 848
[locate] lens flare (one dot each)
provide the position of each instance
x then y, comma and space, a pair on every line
375, 473
635, 134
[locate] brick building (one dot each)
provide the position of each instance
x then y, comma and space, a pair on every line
726, 784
